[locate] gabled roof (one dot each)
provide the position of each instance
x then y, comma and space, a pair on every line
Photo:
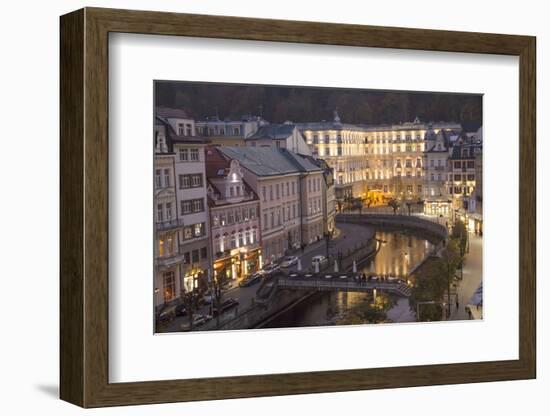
268, 161
167, 112
442, 135
171, 135
273, 131
216, 164
457, 151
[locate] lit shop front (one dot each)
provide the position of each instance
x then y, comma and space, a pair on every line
237, 263
438, 208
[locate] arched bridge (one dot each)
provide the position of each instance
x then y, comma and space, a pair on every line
432, 229
346, 282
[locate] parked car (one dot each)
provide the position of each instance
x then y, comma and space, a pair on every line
270, 269
250, 279
320, 260
225, 306
198, 320
289, 261
207, 298
181, 309
167, 313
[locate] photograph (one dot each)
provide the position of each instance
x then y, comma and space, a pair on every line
292, 206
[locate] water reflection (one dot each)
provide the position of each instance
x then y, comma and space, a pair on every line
398, 253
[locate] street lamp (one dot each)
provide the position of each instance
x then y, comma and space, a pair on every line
327, 235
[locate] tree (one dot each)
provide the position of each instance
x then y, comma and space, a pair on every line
369, 312
460, 233
451, 259
430, 286
217, 286
394, 204
190, 301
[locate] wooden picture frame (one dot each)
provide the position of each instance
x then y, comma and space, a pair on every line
84, 207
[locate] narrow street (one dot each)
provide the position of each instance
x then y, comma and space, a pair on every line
473, 270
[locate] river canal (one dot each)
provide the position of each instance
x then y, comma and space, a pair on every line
399, 253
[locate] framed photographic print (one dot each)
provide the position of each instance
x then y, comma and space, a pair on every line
254, 207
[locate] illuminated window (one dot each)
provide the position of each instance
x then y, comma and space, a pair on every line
169, 285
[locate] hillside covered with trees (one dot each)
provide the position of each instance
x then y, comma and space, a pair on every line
302, 104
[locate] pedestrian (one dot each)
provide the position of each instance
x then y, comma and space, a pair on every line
457, 304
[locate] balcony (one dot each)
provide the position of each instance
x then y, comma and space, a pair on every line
439, 168
170, 259
169, 224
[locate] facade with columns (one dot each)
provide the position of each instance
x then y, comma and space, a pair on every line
387, 159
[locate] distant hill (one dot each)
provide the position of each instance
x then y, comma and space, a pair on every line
302, 104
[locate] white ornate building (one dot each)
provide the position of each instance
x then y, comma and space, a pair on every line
386, 158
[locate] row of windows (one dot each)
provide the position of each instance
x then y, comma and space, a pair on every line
194, 231
408, 163
188, 155
440, 162
460, 190
166, 247
463, 164
236, 240
194, 180
219, 131
189, 206
456, 177
398, 136
398, 149
272, 192
274, 218
365, 139
408, 189
234, 216
468, 177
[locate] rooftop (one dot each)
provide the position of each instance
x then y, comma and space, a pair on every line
273, 131
269, 161
167, 112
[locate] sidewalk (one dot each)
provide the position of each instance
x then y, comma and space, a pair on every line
473, 270
350, 235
